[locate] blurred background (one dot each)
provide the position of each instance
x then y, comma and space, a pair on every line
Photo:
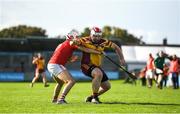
140, 27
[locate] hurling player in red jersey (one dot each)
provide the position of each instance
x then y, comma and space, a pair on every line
60, 74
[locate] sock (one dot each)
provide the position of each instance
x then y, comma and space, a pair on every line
55, 97
62, 96
95, 95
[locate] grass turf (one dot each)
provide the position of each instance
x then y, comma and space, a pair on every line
124, 98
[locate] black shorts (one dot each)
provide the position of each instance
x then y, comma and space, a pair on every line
40, 71
86, 69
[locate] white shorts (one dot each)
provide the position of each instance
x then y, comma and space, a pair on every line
149, 74
159, 71
55, 69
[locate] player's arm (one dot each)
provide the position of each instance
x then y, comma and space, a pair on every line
88, 50
79, 45
76, 42
118, 51
35, 59
73, 58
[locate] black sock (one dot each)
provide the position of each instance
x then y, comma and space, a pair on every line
95, 95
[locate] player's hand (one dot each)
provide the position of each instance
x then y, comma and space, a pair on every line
74, 58
103, 53
76, 41
122, 62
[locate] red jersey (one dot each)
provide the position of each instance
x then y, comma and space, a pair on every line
150, 64
174, 66
62, 53
166, 70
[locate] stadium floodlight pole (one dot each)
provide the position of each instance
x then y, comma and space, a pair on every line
133, 77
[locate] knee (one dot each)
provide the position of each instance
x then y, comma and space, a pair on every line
36, 77
108, 87
72, 81
97, 73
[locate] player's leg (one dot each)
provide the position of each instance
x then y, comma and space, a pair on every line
173, 80
151, 77
177, 81
156, 76
97, 76
44, 79
105, 86
165, 81
160, 81
66, 77
148, 78
56, 70
96, 83
148, 81
57, 89
36, 77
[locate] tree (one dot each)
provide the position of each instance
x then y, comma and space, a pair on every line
115, 33
86, 32
118, 33
124, 36
22, 31
107, 31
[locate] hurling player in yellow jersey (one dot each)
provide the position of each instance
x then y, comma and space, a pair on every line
39, 70
91, 63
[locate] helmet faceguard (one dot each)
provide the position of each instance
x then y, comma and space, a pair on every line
96, 34
72, 35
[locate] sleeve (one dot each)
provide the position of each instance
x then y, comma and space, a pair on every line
83, 41
170, 58
107, 44
75, 47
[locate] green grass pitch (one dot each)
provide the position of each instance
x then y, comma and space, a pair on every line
122, 98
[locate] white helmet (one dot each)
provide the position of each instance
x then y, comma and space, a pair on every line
72, 34
96, 31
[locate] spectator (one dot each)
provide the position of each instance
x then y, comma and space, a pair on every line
150, 70
166, 73
142, 76
174, 70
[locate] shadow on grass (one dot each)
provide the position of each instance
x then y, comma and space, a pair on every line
137, 103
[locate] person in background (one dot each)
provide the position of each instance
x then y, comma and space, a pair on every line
159, 65
174, 70
142, 76
39, 63
166, 73
150, 70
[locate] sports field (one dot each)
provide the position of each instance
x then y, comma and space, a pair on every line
122, 98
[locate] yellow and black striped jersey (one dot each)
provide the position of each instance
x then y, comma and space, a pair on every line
90, 58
